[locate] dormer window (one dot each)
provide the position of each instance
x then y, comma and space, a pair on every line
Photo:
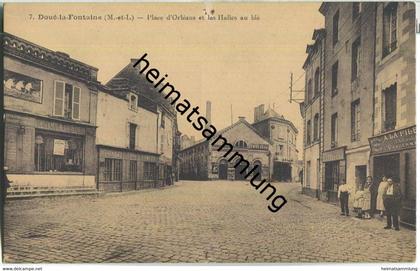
132, 101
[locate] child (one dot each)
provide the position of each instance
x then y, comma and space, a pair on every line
358, 201
367, 199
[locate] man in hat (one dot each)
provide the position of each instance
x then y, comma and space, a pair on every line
392, 202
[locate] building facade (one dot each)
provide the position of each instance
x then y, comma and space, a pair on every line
282, 135
50, 116
348, 97
313, 115
367, 102
393, 144
203, 161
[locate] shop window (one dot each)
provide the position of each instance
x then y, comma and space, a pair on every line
113, 169
149, 172
335, 27
389, 36
355, 59
334, 130
133, 171
334, 79
390, 108
66, 100
132, 136
357, 8
58, 152
355, 120
332, 175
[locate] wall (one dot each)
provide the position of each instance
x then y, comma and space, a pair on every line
113, 120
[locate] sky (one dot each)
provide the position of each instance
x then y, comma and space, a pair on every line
238, 64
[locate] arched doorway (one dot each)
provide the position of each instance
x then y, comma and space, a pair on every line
258, 170
223, 169
238, 175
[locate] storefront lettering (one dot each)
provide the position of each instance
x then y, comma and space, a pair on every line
395, 141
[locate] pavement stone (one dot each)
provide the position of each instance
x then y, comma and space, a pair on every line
195, 221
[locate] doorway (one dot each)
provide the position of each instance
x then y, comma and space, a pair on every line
223, 169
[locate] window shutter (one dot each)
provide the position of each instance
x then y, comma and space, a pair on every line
58, 98
76, 103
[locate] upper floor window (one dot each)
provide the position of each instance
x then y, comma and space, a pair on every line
335, 27
241, 144
355, 120
317, 82
357, 8
355, 59
334, 130
334, 79
132, 102
308, 132
162, 120
389, 36
309, 90
389, 115
316, 127
66, 100
132, 136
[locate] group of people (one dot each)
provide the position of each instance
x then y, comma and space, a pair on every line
387, 196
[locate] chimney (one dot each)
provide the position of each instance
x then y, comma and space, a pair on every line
208, 111
258, 112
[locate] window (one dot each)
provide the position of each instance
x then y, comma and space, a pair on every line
149, 172
66, 100
355, 59
241, 144
334, 130
317, 82
57, 152
316, 127
390, 107
133, 171
162, 138
389, 36
357, 7
113, 170
309, 91
355, 120
335, 27
132, 136
334, 79
132, 102
308, 132
162, 120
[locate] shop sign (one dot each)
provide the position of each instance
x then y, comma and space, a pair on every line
394, 141
333, 155
59, 146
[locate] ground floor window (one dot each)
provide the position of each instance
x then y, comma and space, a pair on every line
149, 171
332, 175
113, 169
133, 171
56, 152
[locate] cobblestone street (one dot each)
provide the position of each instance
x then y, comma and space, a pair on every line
216, 221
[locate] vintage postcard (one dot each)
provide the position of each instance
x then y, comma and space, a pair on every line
213, 132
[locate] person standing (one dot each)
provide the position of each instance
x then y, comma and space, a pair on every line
392, 202
379, 199
366, 207
343, 196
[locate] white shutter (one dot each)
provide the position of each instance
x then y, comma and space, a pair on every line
59, 98
76, 103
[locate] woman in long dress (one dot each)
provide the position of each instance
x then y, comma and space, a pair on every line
358, 201
379, 199
366, 200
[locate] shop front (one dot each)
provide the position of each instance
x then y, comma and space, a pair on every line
393, 155
334, 170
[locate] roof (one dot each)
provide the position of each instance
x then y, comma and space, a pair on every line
270, 114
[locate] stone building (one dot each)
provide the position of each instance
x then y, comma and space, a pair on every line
203, 161
146, 143
393, 144
50, 116
312, 114
348, 95
282, 135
